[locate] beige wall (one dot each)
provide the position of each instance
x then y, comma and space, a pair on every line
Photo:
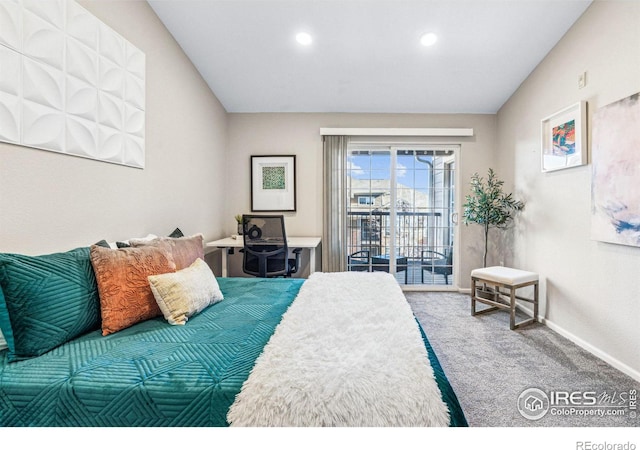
197, 173
299, 134
52, 202
590, 290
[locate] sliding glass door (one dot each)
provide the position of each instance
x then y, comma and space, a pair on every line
400, 212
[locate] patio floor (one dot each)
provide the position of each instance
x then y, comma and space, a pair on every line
415, 276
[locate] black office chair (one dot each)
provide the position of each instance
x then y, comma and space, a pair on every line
359, 261
437, 263
265, 251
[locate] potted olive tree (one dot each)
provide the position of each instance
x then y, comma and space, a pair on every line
489, 206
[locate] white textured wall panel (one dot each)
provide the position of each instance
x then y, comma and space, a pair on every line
111, 78
134, 91
51, 11
82, 61
11, 24
134, 121
134, 151
69, 83
82, 99
10, 94
82, 26
10, 118
42, 84
110, 144
42, 41
110, 111
135, 62
42, 127
82, 136
111, 45
10, 70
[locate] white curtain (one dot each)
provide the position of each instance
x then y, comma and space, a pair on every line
334, 204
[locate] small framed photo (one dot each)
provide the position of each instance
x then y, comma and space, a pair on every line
273, 183
564, 138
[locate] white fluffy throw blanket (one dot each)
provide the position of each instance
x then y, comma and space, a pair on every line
347, 352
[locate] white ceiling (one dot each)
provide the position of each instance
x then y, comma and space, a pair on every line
366, 55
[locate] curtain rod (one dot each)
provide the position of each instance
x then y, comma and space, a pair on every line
396, 131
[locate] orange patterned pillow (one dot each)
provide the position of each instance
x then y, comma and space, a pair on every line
185, 250
125, 294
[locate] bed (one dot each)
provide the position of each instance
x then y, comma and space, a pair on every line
154, 374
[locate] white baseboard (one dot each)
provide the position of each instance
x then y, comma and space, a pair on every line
622, 367
616, 363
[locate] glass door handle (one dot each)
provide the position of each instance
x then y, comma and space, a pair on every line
454, 218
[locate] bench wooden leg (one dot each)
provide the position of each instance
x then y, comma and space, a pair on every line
511, 305
474, 299
473, 296
532, 319
535, 302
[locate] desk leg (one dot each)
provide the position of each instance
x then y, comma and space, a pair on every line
224, 261
312, 260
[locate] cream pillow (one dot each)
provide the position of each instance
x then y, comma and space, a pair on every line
3, 342
186, 292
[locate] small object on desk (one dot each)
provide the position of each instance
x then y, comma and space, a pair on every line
234, 236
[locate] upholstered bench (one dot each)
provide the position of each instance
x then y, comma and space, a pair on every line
501, 278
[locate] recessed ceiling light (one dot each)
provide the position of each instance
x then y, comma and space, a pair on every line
428, 39
304, 38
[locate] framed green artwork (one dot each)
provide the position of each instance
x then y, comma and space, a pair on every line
273, 183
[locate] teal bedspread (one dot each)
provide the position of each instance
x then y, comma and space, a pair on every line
154, 374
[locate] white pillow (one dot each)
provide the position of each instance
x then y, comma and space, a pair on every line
3, 342
186, 292
147, 238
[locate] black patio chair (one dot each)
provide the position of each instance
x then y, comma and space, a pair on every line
437, 263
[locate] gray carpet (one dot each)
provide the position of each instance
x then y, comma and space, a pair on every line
489, 366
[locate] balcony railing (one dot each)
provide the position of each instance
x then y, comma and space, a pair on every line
422, 241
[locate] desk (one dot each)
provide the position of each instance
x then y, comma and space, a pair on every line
310, 243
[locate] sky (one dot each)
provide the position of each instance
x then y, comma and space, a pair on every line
409, 171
